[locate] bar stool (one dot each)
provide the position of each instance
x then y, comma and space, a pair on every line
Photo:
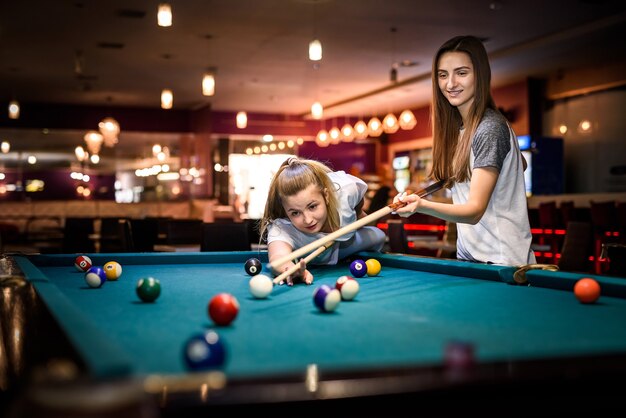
621, 220
577, 248
604, 223
567, 212
548, 222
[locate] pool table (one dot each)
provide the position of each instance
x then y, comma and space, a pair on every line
283, 354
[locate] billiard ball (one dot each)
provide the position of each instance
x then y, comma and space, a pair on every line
253, 266
358, 268
113, 270
223, 308
348, 287
82, 263
587, 290
459, 355
373, 267
95, 277
148, 289
261, 286
204, 351
326, 299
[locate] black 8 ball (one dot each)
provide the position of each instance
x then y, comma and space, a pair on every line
253, 266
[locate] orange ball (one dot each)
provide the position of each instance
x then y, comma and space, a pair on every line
587, 290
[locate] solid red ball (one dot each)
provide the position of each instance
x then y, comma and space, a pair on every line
223, 308
587, 290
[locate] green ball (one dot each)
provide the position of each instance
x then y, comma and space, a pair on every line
148, 289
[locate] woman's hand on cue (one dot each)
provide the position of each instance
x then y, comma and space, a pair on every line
302, 273
412, 203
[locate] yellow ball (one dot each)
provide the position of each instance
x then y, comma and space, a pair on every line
113, 270
373, 267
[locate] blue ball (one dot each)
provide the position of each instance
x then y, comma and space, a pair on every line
95, 277
358, 268
204, 351
326, 298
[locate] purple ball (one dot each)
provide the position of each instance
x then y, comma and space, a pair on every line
326, 299
358, 268
95, 277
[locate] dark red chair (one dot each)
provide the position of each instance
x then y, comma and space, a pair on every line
605, 228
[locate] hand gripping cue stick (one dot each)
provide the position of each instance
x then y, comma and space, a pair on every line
320, 245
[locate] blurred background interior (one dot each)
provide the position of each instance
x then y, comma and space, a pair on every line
130, 111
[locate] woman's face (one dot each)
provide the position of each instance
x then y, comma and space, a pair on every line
456, 77
307, 209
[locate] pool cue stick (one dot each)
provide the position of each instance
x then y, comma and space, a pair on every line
296, 266
354, 226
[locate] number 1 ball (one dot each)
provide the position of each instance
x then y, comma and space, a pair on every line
204, 351
223, 308
358, 268
587, 290
83, 263
253, 266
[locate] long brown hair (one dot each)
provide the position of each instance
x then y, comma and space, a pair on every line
293, 176
451, 153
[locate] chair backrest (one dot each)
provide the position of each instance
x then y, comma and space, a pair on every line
116, 236
398, 242
548, 216
184, 232
222, 236
577, 247
76, 235
603, 215
567, 212
621, 220
254, 230
145, 233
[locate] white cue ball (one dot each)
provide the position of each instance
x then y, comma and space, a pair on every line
261, 286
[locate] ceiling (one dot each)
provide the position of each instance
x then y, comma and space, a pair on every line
112, 53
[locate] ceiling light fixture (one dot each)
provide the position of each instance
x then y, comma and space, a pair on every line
14, 109
242, 120
110, 130
360, 129
335, 135
393, 75
315, 50
94, 141
5, 147
390, 123
347, 132
80, 153
167, 99
407, 120
317, 110
164, 15
208, 84
374, 127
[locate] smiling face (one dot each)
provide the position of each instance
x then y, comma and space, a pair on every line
456, 79
307, 209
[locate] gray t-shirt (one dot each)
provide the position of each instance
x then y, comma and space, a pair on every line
502, 236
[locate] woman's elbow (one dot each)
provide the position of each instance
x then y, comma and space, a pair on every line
475, 216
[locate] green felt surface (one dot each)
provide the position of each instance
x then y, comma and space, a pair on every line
403, 317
